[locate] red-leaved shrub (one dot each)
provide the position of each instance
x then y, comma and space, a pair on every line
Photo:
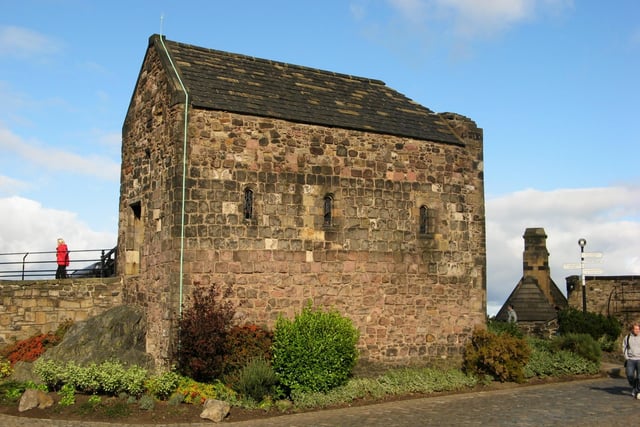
30, 349
245, 343
204, 326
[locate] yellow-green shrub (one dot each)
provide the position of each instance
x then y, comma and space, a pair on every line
502, 357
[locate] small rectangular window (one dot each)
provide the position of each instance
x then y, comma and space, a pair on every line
327, 210
248, 203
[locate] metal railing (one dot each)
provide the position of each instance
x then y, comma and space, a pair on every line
42, 264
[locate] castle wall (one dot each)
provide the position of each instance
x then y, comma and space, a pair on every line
617, 296
33, 307
414, 295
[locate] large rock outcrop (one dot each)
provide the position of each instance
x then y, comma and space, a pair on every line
117, 334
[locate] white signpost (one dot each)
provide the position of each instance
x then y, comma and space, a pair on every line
594, 257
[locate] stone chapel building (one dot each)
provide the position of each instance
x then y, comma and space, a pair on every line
291, 185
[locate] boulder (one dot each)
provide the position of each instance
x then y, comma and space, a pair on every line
117, 334
34, 399
23, 372
215, 410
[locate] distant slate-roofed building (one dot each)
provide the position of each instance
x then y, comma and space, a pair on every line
536, 298
289, 184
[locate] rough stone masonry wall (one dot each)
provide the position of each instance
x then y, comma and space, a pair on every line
152, 176
413, 297
618, 296
39, 306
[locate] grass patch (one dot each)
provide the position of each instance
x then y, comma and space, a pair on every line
402, 381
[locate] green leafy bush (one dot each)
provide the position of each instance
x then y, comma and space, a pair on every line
545, 361
67, 395
257, 380
572, 321
204, 326
499, 327
503, 357
50, 372
162, 385
581, 344
316, 351
110, 377
401, 381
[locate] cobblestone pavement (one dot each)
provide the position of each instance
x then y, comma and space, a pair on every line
602, 401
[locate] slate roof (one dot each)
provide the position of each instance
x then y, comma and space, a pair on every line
242, 84
530, 303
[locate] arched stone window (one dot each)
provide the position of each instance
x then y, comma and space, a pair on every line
248, 203
327, 209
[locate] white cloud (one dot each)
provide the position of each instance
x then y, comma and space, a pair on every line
27, 226
59, 160
608, 218
471, 18
23, 43
10, 186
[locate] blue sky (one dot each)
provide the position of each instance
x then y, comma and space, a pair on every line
553, 83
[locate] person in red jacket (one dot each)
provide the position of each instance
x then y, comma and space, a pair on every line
62, 257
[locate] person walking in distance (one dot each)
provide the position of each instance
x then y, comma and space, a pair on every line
62, 258
631, 351
512, 317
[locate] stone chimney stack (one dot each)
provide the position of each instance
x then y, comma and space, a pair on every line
536, 259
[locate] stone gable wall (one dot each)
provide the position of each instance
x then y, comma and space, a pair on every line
413, 297
39, 306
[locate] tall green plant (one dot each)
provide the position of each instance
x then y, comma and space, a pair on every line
204, 326
581, 344
316, 351
257, 380
572, 321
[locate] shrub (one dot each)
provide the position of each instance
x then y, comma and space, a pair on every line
50, 372
63, 328
573, 321
196, 392
499, 327
5, 369
547, 362
146, 402
30, 349
163, 385
67, 395
245, 343
581, 344
109, 377
204, 326
257, 380
316, 351
502, 357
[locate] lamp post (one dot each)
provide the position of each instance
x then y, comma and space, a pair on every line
583, 242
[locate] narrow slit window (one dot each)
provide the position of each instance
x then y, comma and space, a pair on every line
248, 203
327, 210
423, 220
427, 220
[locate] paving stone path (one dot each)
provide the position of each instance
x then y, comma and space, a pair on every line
602, 401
